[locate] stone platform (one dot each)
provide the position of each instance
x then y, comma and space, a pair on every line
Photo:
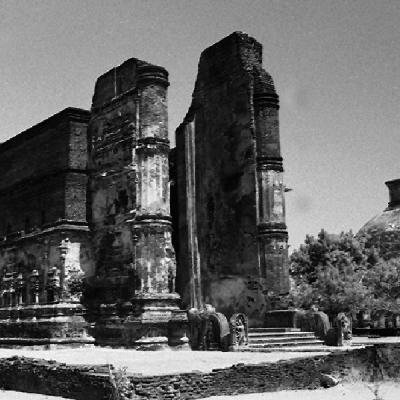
44, 326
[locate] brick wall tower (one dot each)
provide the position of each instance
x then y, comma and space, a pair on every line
131, 223
228, 208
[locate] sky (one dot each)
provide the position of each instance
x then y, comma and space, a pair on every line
335, 64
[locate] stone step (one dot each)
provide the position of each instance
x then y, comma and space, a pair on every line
279, 334
299, 349
266, 330
264, 345
281, 339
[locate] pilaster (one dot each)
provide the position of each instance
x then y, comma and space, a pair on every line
271, 227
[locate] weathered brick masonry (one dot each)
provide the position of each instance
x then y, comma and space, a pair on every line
86, 196
45, 234
229, 192
44, 175
130, 215
372, 364
55, 379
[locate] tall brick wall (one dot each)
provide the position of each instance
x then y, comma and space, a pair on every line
237, 217
43, 174
34, 153
43, 202
113, 133
26, 206
129, 182
130, 210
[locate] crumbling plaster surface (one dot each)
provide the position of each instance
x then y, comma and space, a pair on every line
113, 185
129, 184
237, 183
42, 252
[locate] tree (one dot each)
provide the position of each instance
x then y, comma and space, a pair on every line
383, 280
337, 273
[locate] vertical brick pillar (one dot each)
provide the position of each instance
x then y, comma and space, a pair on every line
131, 222
152, 226
155, 301
272, 232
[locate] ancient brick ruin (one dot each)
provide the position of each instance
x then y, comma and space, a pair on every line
87, 241
134, 286
230, 211
45, 245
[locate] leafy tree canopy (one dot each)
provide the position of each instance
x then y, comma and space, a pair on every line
343, 273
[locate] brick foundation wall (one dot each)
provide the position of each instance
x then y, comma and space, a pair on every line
370, 364
52, 378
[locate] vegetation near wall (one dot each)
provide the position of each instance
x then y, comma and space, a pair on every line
344, 273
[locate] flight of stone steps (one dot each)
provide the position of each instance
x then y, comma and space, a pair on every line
282, 339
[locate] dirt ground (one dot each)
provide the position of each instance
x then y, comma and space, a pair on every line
355, 391
154, 362
170, 361
10, 395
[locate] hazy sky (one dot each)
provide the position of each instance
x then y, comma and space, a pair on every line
335, 65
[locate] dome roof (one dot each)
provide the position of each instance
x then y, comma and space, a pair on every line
383, 230
387, 221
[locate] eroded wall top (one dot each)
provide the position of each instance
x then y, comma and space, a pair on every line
43, 173
228, 160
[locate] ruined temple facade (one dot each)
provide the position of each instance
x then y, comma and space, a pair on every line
45, 247
229, 206
90, 252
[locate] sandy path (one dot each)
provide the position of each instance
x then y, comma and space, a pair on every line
356, 391
154, 363
10, 395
